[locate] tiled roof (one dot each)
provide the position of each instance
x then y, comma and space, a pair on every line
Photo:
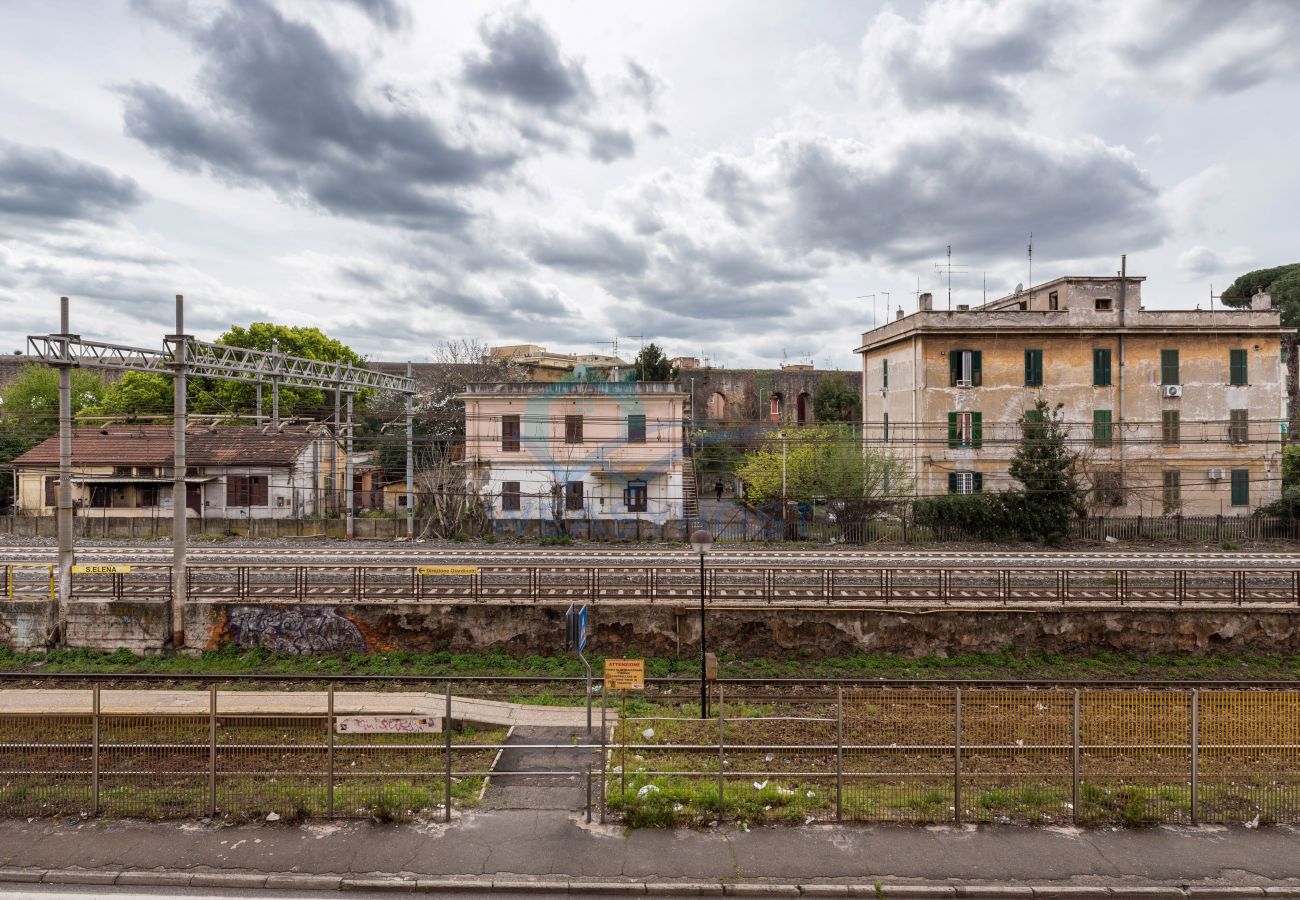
151, 445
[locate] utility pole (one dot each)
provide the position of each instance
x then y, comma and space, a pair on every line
275, 385
178, 481
347, 471
66, 552
410, 462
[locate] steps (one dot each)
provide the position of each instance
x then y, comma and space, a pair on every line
690, 491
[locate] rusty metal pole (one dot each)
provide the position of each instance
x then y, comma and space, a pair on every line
179, 498
212, 750
64, 499
329, 751
839, 755
956, 758
1074, 759
94, 751
446, 729
1196, 756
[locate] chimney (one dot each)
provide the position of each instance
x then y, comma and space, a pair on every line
925, 303
963, 307
1262, 299
899, 314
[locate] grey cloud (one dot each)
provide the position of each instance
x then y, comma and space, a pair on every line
44, 184
592, 250
523, 62
281, 108
611, 144
388, 13
1201, 261
979, 188
962, 53
643, 86
731, 187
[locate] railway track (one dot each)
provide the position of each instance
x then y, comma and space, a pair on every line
617, 557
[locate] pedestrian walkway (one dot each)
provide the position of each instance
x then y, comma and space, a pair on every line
71, 701
555, 777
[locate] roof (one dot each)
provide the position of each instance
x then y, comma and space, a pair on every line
152, 445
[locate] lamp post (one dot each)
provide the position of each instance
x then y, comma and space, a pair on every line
701, 541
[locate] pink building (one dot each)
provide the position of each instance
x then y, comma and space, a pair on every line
560, 451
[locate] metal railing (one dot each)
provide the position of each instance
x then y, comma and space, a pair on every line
27, 581
727, 585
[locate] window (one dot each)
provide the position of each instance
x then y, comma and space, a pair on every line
1101, 367
884, 428
1169, 367
246, 490
965, 482
965, 429
1238, 426
965, 368
1169, 427
510, 499
573, 495
884, 373
1171, 490
146, 495
1108, 487
636, 428
151, 472
51, 490
1103, 304
101, 497
1053, 301
636, 496
510, 433
1102, 429
1241, 487
1237, 367
573, 429
1033, 368
122, 471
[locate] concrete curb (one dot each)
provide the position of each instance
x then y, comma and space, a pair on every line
303, 882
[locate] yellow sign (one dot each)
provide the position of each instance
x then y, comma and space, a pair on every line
625, 674
111, 569
446, 570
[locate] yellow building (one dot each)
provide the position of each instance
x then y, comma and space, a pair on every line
1171, 411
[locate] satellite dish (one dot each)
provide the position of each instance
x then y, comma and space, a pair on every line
1020, 287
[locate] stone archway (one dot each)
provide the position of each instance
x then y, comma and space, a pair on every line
776, 403
803, 409
716, 408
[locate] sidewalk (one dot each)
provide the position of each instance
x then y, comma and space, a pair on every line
195, 703
555, 851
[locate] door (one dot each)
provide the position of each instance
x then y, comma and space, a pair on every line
194, 497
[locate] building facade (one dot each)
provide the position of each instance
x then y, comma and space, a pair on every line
231, 472
552, 452
1171, 411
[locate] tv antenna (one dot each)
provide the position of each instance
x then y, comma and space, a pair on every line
1213, 296
950, 267
1031, 259
875, 322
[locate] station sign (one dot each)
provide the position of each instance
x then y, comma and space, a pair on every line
105, 569
386, 725
625, 674
446, 570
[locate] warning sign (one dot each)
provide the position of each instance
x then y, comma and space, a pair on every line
625, 674
107, 569
446, 570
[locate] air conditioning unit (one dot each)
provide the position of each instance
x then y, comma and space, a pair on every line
1173, 390
1216, 474
963, 382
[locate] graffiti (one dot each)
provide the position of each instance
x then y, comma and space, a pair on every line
304, 629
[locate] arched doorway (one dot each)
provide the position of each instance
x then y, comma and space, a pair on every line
803, 409
717, 406
776, 403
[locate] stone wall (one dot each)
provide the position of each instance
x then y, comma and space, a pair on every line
748, 392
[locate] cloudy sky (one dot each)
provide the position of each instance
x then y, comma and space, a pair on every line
724, 177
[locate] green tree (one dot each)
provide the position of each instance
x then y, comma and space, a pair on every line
1283, 283
826, 463
1045, 466
29, 412
652, 365
835, 401
294, 340
138, 393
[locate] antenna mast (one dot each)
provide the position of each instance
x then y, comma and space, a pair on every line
948, 267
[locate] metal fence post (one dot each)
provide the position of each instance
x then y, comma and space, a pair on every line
956, 759
1195, 739
329, 751
588, 793
94, 751
604, 758
446, 730
721, 760
1074, 760
212, 750
839, 756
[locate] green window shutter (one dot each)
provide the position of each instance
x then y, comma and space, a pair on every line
976, 430
1101, 428
1101, 367
1033, 368
952, 430
884, 373
952, 482
1237, 367
1169, 367
954, 367
1240, 487
976, 368
977, 482
1169, 429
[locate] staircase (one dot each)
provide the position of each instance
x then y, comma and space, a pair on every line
690, 492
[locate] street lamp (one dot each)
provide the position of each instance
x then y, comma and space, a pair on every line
701, 542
